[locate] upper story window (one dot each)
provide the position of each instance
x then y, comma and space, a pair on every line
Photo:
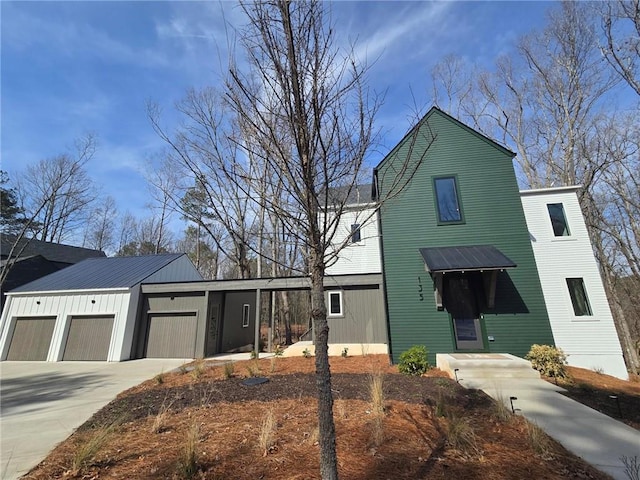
335, 304
558, 220
579, 298
355, 233
447, 200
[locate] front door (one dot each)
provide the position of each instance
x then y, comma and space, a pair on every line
461, 303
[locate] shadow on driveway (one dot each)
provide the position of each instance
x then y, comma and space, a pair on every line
26, 393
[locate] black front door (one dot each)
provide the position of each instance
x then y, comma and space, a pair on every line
461, 302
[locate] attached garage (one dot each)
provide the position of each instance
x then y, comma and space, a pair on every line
172, 335
31, 338
89, 311
89, 338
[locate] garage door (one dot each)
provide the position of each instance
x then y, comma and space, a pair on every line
172, 335
89, 338
31, 338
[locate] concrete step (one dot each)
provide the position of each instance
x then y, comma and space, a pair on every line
485, 365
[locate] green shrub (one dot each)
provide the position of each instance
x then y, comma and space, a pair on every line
414, 361
548, 360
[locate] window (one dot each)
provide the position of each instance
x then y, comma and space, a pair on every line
246, 309
355, 233
447, 200
558, 220
578, 296
335, 304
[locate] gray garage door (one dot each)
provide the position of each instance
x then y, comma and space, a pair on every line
172, 335
89, 338
31, 338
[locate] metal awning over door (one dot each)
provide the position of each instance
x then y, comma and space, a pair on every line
486, 259
31, 338
89, 338
465, 259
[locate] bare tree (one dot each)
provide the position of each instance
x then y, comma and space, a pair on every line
196, 157
100, 227
57, 192
311, 119
621, 45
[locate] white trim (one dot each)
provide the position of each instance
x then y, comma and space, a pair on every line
246, 319
534, 191
340, 296
57, 292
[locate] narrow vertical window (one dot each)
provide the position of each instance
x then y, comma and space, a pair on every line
246, 310
558, 220
447, 201
335, 304
355, 233
579, 299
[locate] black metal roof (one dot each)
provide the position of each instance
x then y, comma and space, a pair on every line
469, 258
54, 252
101, 273
351, 195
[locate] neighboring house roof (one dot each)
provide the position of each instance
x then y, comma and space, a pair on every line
352, 195
102, 273
55, 252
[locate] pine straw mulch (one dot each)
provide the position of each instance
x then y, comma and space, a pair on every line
417, 441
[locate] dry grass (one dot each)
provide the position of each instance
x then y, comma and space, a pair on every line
266, 437
460, 434
228, 370
199, 368
160, 421
86, 452
538, 439
187, 465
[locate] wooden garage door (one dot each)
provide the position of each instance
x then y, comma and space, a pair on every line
31, 338
172, 335
89, 338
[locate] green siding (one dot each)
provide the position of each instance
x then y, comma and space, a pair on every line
493, 215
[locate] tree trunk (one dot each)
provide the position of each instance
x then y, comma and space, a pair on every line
286, 315
326, 427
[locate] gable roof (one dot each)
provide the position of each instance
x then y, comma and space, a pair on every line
54, 252
351, 195
436, 111
101, 273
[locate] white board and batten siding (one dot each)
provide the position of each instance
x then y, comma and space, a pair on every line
362, 256
64, 306
590, 341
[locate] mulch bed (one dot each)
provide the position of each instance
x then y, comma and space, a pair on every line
417, 429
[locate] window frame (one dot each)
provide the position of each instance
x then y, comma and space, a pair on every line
246, 318
564, 218
357, 230
340, 303
456, 187
578, 311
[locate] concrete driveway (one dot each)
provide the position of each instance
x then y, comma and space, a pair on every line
42, 403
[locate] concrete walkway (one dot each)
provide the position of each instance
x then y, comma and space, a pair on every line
42, 403
597, 438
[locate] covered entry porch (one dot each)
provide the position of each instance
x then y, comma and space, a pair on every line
465, 280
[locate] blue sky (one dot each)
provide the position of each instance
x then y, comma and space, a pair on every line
68, 68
